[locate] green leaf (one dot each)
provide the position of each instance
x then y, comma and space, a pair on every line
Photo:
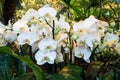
111, 75
107, 76
26, 76
26, 59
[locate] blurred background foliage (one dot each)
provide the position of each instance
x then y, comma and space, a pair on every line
74, 10
1, 8
108, 10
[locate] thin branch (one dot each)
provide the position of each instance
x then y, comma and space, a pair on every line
48, 23
53, 28
104, 64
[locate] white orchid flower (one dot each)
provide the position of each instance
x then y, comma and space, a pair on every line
45, 56
27, 38
67, 49
64, 26
79, 29
47, 11
41, 29
110, 36
62, 39
31, 14
102, 25
10, 36
47, 44
94, 25
92, 40
38, 26
89, 22
20, 26
111, 40
2, 41
98, 27
35, 46
2, 28
83, 52
81, 41
59, 58
45, 32
9, 26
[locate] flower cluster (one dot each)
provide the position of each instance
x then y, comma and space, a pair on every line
48, 35
88, 34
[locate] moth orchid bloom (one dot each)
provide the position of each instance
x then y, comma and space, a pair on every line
110, 36
89, 22
31, 14
64, 26
9, 26
80, 41
47, 12
101, 27
98, 27
45, 56
35, 46
82, 52
10, 36
79, 29
92, 40
59, 58
94, 25
47, 44
111, 40
2, 41
38, 26
27, 38
42, 29
20, 26
2, 28
62, 39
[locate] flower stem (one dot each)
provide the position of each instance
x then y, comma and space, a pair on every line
48, 23
104, 64
53, 28
65, 59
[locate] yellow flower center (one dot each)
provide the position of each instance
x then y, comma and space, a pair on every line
22, 29
82, 31
33, 17
100, 28
48, 47
80, 55
45, 58
81, 43
26, 41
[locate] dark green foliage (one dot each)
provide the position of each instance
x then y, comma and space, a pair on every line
81, 9
111, 75
26, 76
25, 59
69, 72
